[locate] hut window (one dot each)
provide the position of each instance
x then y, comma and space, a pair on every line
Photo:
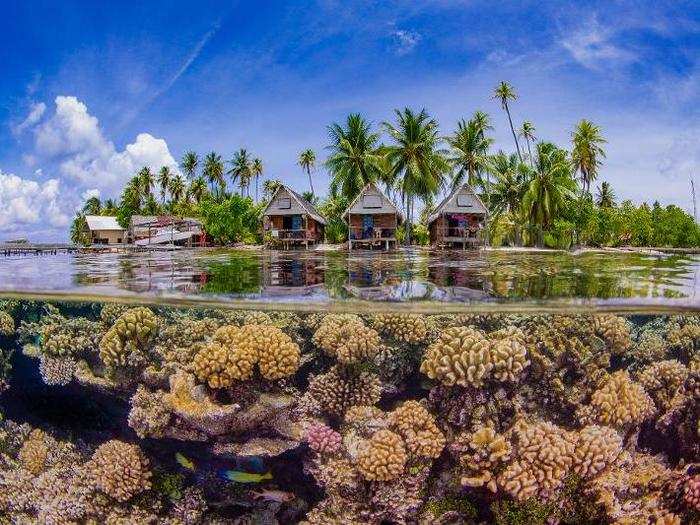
464, 201
284, 203
372, 201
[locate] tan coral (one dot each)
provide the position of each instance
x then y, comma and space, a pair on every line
360, 343
460, 356
278, 355
487, 451
685, 338
418, 429
7, 324
339, 389
407, 328
509, 356
132, 331
620, 402
383, 457
120, 470
215, 365
614, 330
34, 452
663, 379
596, 448
329, 334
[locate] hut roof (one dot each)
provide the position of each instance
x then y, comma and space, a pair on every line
451, 203
386, 205
305, 205
100, 222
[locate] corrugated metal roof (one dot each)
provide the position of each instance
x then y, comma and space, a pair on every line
99, 222
309, 208
371, 186
455, 191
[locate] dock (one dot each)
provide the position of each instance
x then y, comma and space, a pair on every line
27, 248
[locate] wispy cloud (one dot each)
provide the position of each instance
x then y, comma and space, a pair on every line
36, 111
592, 46
405, 41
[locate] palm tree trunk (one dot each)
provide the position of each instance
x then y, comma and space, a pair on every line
311, 184
256, 187
512, 130
529, 153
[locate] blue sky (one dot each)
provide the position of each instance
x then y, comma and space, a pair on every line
90, 91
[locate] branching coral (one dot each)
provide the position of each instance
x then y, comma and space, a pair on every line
662, 380
346, 337
614, 330
619, 402
339, 389
406, 328
418, 429
56, 370
7, 324
691, 492
383, 457
120, 470
323, 439
149, 415
509, 358
460, 356
131, 332
279, 356
596, 448
485, 451
34, 452
329, 334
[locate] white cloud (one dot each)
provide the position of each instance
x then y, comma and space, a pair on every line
74, 138
24, 202
591, 46
405, 41
36, 111
88, 194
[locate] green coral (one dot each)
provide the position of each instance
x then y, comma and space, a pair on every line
459, 504
169, 484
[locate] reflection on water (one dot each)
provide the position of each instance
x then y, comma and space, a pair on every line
411, 275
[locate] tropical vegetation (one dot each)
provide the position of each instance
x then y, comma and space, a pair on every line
539, 194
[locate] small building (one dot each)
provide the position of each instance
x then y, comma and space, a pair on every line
372, 219
104, 230
459, 220
289, 220
145, 230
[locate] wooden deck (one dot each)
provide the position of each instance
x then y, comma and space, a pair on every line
10, 248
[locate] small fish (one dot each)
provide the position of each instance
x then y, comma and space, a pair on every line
273, 495
244, 477
184, 461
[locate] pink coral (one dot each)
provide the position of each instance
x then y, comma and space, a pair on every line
691, 492
323, 439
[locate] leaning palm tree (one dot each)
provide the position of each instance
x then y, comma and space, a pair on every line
587, 152
146, 180
164, 176
256, 170
213, 171
307, 161
177, 188
241, 170
505, 92
551, 184
354, 160
190, 161
270, 187
527, 131
606, 196
417, 163
468, 153
198, 189
511, 182
92, 206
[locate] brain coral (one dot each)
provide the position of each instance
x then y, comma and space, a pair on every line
383, 457
596, 448
460, 356
418, 429
663, 379
7, 324
407, 328
339, 389
120, 470
620, 402
542, 459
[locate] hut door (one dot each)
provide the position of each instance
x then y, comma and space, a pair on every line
367, 226
297, 223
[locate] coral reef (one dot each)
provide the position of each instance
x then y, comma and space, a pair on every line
340, 388
405, 328
7, 324
120, 470
619, 402
383, 457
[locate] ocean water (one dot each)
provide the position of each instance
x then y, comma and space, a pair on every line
406, 387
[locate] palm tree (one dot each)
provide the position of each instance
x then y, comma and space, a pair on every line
214, 171
150, 206
241, 169
270, 187
109, 207
307, 161
587, 152
198, 189
146, 180
606, 196
177, 188
417, 164
190, 161
93, 206
511, 182
468, 153
527, 131
505, 92
257, 170
354, 160
164, 176
551, 184
133, 192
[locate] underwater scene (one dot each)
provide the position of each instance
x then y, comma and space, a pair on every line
154, 413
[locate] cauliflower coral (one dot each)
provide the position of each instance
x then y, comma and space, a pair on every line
382, 457
120, 470
619, 402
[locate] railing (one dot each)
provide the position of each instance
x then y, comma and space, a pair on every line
462, 233
290, 235
360, 233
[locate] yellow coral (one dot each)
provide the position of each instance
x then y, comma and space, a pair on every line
7, 324
614, 330
663, 379
34, 452
120, 470
487, 450
460, 356
329, 334
132, 331
257, 318
509, 357
418, 429
620, 402
359, 344
407, 328
279, 356
215, 365
596, 448
383, 457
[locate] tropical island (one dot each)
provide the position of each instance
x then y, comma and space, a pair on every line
540, 194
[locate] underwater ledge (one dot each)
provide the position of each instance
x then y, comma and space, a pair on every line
134, 411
